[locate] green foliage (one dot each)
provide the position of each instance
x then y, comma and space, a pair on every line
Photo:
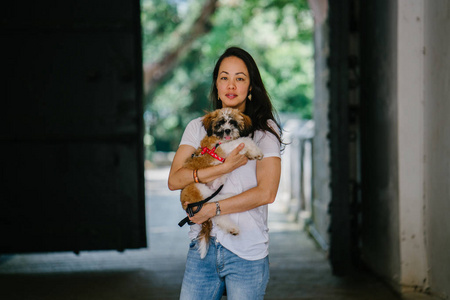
159, 18
278, 34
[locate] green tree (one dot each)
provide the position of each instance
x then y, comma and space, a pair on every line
277, 33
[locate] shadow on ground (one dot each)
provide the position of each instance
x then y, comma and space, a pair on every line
298, 269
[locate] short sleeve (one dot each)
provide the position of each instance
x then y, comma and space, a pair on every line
268, 142
193, 133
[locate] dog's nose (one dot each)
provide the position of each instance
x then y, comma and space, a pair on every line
227, 131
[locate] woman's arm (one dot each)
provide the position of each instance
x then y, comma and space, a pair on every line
268, 172
180, 177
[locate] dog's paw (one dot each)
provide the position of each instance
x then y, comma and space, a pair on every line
225, 224
233, 231
255, 155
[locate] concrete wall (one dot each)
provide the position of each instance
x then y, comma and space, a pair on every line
437, 142
321, 149
405, 88
423, 69
410, 92
405, 141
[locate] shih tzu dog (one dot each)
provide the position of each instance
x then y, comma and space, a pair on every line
226, 128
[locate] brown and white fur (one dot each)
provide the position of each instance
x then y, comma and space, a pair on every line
229, 127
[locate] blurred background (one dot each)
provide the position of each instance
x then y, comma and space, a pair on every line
182, 39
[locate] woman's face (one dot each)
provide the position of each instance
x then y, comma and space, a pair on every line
233, 83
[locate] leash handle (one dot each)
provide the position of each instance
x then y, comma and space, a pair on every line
199, 206
184, 221
192, 212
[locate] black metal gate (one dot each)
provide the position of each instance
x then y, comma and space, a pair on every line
344, 136
71, 160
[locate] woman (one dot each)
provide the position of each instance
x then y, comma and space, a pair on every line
239, 264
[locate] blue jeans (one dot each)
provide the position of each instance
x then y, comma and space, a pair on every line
207, 278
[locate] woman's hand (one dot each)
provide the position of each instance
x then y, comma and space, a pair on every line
207, 212
235, 160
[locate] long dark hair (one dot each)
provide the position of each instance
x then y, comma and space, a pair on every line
259, 109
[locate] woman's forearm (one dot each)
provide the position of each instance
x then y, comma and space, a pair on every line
183, 176
180, 177
245, 201
268, 177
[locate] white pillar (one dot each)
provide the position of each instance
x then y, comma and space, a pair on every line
410, 58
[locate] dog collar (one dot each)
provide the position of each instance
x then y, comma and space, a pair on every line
212, 152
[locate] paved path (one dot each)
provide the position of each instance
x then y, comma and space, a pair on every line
298, 269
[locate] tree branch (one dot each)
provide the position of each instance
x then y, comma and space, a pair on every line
155, 72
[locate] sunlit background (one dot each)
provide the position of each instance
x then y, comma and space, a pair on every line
182, 40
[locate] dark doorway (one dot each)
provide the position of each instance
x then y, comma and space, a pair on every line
71, 127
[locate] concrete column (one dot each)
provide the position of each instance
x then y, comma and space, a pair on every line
410, 95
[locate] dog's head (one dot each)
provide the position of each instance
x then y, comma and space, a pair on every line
227, 124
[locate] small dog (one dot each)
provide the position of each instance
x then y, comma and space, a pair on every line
226, 128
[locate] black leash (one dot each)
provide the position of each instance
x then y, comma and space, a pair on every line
199, 206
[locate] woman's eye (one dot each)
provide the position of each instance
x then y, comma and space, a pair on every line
223, 78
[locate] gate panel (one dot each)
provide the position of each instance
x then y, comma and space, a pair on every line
71, 127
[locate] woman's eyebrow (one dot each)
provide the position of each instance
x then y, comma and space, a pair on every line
235, 74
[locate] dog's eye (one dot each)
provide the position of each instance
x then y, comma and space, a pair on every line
234, 123
219, 124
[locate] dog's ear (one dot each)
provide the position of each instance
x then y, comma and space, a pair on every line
208, 121
246, 129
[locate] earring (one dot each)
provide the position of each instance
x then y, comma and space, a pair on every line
218, 98
250, 97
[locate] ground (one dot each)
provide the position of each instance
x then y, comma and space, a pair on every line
299, 270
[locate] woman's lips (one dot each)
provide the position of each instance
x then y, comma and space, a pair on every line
231, 96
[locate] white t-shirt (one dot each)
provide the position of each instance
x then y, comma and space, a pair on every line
252, 243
